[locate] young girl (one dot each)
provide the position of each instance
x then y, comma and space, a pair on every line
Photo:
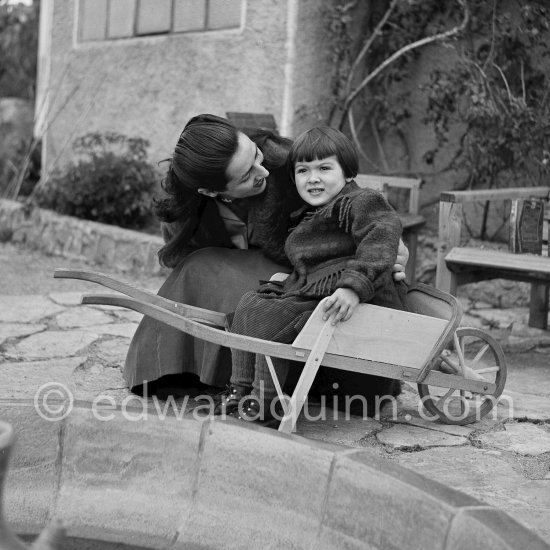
343, 248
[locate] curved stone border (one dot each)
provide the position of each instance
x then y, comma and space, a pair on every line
180, 483
70, 237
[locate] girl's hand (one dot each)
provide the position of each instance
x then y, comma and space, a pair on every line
400, 263
279, 277
399, 272
341, 304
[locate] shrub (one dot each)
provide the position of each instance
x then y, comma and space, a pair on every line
111, 183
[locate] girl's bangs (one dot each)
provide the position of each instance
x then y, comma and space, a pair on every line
314, 147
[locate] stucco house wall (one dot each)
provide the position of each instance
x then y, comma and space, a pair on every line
275, 62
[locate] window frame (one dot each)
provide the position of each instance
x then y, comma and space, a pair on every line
89, 35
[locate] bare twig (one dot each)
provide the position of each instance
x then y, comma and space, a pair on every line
357, 142
367, 45
18, 181
523, 90
380, 148
493, 32
45, 177
14, 187
402, 51
510, 95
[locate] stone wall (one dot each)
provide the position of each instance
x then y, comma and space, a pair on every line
180, 483
122, 249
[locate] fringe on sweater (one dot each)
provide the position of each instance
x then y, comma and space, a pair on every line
323, 286
342, 206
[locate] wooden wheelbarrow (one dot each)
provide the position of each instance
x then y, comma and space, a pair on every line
460, 372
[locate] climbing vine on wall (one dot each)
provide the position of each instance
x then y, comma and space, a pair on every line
489, 105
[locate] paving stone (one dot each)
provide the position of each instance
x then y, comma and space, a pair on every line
26, 309
502, 318
494, 479
522, 438
18, 330
52, 343
444, 428
113, 352
126, 330
26, 378
82, 317
331, 426
515, 344
91, 381
528, 377
528, 406
525, 331
469, 320
407, 403
412, 437
479, 305
128, 315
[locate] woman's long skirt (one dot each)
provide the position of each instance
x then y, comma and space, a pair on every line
210, 278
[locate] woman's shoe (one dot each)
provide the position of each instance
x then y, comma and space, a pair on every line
229, 400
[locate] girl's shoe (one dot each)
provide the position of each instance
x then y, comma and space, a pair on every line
251, 411
229, 399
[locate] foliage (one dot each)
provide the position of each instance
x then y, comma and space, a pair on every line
488, 105
112, 182
18, 49
498, 90
410, 21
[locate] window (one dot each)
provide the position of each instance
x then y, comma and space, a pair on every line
114, 19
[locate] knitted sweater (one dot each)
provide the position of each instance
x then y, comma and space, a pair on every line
349, 243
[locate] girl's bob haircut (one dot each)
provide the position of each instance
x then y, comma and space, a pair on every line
322, 142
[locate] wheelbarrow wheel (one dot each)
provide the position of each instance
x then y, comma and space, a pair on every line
476, 355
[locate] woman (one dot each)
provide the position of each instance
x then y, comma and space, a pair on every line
228, 210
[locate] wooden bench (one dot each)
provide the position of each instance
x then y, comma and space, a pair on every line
410, 218
458, 265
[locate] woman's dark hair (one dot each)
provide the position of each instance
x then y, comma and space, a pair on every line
201, 157
200, 160
322, 142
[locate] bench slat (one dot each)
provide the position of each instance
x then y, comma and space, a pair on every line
411, 221
498, 260
379, 334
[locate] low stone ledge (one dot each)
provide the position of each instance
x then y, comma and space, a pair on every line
69, 237
190, 484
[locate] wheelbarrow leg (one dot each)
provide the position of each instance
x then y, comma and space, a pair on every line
288, 423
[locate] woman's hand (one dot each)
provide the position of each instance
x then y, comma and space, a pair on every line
341, 304
400, 263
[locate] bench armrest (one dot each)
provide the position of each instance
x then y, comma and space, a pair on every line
510, 193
